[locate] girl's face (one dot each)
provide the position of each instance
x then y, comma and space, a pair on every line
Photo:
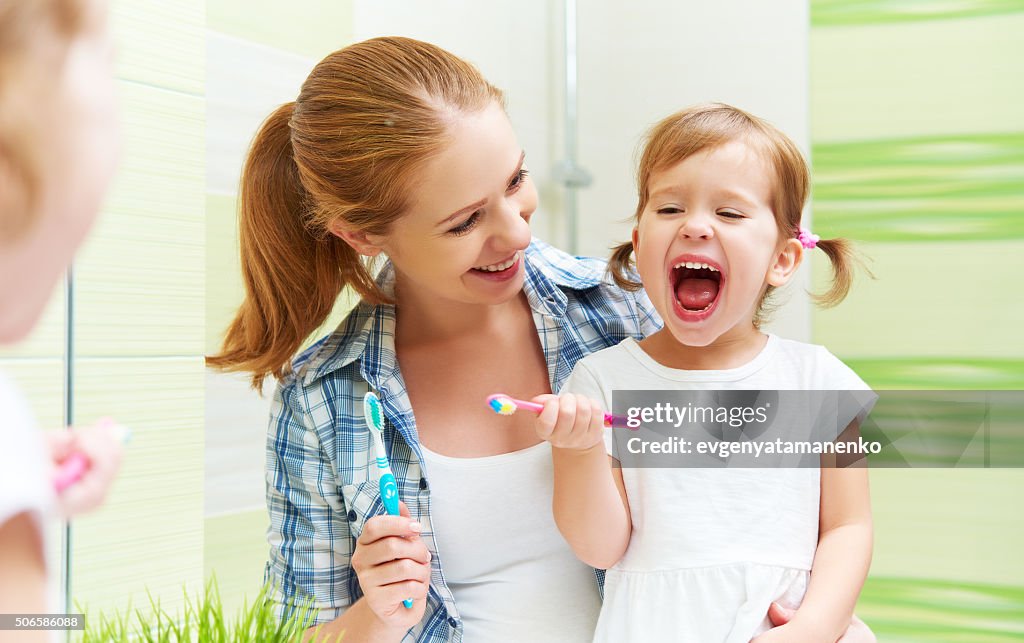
707, 244
463, 238
78, 146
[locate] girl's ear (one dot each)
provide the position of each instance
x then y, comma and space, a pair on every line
366, 244
786, 263
636, 241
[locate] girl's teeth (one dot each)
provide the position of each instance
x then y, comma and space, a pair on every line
695, 265
498, 267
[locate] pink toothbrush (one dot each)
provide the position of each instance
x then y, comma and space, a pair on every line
504, 405
75, 465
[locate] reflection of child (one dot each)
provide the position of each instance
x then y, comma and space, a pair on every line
701, 554
58, 146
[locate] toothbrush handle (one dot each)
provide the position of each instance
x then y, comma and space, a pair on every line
389, 493
389, 496
609, 419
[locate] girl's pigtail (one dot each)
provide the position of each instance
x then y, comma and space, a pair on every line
622, 269
841, 254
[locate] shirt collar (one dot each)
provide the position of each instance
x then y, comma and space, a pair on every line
369, 330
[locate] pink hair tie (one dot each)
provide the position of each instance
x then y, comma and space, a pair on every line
808, 240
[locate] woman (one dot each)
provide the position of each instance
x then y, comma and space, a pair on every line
396, 147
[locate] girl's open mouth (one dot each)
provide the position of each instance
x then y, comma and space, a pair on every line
696, 285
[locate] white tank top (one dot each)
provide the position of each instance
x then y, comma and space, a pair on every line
513, 576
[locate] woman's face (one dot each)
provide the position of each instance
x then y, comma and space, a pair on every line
463, 237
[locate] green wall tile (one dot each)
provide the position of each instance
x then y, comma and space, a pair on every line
140, 277
312, 28
235, 550
917, 79
149, 534
161, 43
952, 524
913, 373
942, 188
224, 286
825, 13
928, 300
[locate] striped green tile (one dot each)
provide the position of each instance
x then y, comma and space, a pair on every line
901, 609
139, 277
949, 373
148, 536
859, 12
954, 188
917, 79
954, 524
312, 28
235, 550
929, 300
224, 289
161, 44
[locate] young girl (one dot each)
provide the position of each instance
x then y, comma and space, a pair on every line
58, 147
700, 554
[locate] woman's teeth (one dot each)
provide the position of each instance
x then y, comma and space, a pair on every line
695, 265
498, 267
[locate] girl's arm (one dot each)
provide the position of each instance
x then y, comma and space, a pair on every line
589, 499
590, 505
23, 581
843, 556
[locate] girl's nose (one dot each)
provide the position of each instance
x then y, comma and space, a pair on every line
696, 226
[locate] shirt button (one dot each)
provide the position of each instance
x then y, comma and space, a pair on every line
352, 515
423, 483
453, 621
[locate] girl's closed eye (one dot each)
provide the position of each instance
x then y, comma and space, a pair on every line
670, 209
731, 214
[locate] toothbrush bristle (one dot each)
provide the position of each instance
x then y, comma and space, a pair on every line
372, 412
502, 405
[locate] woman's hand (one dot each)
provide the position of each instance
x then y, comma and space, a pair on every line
570, 421
100, 445
857, 632
393, 564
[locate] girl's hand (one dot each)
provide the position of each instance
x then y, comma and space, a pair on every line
393, 564
570, 421
785, 634
100, 444
857, 632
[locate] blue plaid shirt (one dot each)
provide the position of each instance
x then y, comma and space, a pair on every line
321, 476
